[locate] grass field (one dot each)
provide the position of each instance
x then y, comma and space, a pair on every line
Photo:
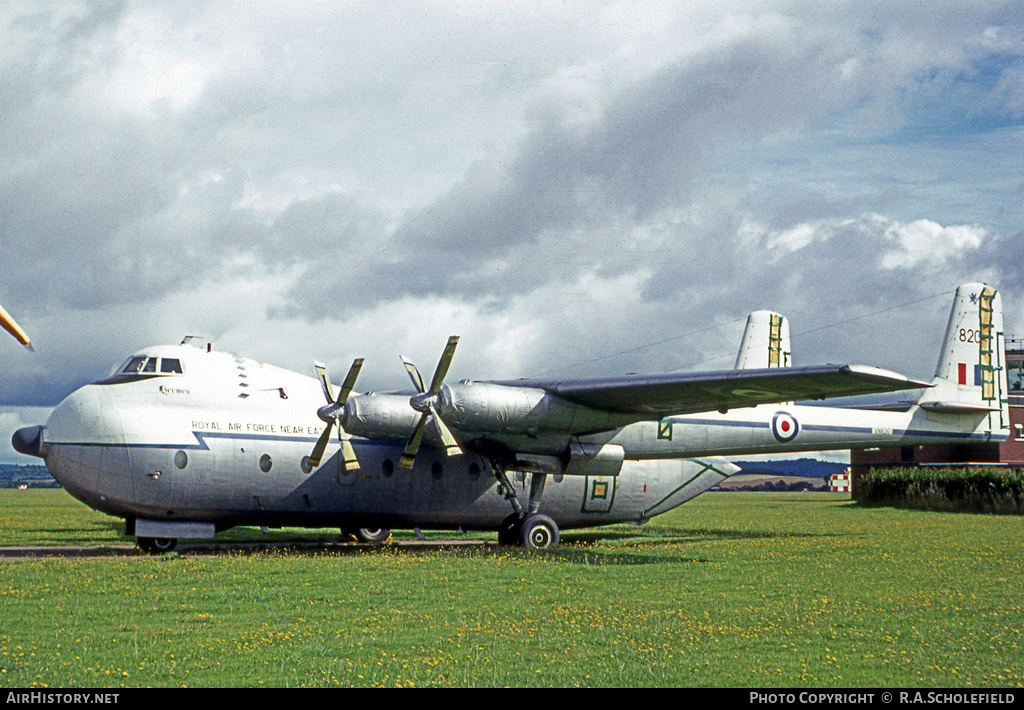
764, 590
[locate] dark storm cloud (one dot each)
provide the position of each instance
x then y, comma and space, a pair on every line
642, 155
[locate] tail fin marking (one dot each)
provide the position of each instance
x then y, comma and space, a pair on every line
971, 372
765, 342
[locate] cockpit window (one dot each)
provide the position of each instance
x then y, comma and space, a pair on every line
171, 364
143, 365
134, 366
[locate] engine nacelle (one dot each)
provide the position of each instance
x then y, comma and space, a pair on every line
380, 416
487, 408
579, 460
476, 409
594, 459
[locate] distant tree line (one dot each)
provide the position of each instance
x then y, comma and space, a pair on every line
14, 475
805, 468
779, 486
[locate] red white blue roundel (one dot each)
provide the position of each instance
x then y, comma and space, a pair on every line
784, 427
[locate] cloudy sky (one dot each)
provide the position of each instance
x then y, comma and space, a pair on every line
574, 188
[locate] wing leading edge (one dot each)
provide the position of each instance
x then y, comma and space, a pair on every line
688, 393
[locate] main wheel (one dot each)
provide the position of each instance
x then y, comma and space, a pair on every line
538, 532
373, 535
156, 545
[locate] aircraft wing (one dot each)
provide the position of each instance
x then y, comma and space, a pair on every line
687, 393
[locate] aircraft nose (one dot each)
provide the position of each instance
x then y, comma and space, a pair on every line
29, 441
77, 442
85, 417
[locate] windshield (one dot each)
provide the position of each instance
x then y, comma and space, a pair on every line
144, 365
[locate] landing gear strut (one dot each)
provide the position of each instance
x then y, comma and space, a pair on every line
528, 527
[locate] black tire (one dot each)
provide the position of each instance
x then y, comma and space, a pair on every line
508, 531
538, 532
156, 545
373, 535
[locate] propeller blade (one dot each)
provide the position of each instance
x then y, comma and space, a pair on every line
414, 375
350, 380
348, 452
451, 446
424, 402
325, 380
443, 364
409, 455
12, 327
321, 446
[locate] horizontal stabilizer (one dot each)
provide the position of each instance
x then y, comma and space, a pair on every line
900, 406
957, 407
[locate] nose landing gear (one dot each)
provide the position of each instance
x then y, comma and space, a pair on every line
156, 545
376, 536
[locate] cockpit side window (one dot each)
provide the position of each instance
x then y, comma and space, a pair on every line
134, 365
170, 365
150, 365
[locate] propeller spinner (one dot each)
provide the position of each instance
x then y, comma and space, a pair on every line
426, 402
331, 414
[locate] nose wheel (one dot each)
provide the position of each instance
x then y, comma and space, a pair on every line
376, 536
156, 545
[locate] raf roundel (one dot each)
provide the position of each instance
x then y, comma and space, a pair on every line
784, 427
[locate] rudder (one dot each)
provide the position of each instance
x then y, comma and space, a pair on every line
765, 342
971, 372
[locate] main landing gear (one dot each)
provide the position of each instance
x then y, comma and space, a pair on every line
528, 527
536, 531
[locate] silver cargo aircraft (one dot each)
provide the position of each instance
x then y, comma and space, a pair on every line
183, 442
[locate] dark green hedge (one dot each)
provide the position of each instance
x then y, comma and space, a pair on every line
977, 490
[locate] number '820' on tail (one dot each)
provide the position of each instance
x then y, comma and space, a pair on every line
971, 373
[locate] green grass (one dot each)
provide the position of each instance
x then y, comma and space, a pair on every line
764, 590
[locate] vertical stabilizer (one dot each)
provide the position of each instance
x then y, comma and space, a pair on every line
971, 374
765, 342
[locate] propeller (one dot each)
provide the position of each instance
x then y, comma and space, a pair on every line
426, 402
331, 414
